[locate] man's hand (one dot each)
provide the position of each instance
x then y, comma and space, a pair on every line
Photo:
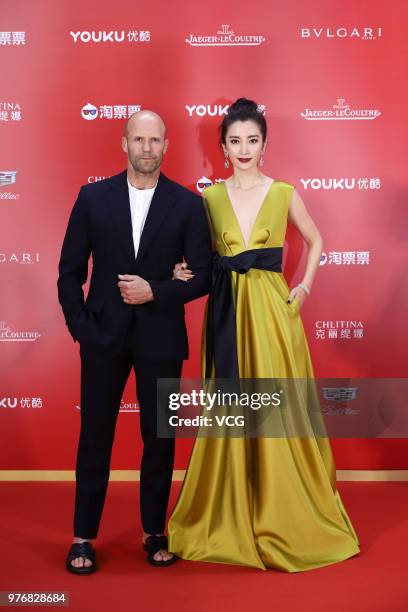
134, 289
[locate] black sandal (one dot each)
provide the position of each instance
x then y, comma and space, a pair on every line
84, 549
155, 543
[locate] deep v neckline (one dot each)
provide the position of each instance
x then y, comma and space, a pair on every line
246, 245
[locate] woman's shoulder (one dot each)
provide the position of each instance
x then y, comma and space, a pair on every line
214, 189
214, 193
285, 185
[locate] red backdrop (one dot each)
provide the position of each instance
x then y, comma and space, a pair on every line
333, 81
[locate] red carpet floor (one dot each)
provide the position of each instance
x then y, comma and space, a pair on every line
36, 523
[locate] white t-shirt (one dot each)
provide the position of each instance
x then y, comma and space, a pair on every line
139, 207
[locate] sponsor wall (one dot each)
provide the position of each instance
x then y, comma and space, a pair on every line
332, 83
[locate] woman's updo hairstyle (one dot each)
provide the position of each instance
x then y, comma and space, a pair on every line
243, 110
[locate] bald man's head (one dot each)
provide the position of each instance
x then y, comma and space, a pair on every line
145, 142
140, 117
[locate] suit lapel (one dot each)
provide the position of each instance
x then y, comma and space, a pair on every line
162, 202
119, 209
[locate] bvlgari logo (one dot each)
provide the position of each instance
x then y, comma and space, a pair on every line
8, 335
366, 33
340, 111
18, 257
225, 37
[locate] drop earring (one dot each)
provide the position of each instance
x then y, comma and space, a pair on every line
261, 161
226, 161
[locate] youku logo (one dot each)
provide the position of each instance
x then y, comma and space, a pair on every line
225, 37
367, 33
111, 36
214, 110
22, 402
341, 183
89, 112
202, 110
340, 112
8, 335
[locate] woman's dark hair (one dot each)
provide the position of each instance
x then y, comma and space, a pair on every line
243, 110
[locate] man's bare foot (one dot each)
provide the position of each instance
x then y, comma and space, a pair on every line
161, 555
80, 561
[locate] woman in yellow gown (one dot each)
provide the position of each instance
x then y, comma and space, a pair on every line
266, 502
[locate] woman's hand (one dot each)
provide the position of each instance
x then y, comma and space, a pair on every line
181, 272
298, 293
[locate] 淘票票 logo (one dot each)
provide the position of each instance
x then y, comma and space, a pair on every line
89, 112
365, 33
111, 36
340, 112
225, 37
16, 39
8, 335
202, 183
205, 182
345, 258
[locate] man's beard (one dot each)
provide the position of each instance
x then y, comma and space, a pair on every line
146, 167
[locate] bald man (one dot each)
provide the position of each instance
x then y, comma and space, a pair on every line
136, 226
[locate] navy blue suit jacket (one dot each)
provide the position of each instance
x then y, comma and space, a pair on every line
100, 226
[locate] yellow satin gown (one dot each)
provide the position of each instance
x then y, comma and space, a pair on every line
262, 502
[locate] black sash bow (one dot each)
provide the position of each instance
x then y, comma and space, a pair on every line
221, 339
